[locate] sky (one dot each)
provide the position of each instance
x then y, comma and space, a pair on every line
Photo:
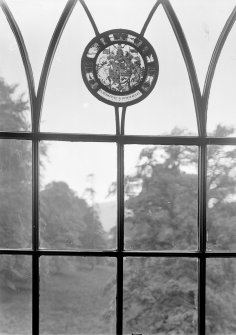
70, 107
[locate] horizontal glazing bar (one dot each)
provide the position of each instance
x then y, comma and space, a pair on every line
16, 135
109, 253
114, 253
16, 252
59, 137
125, 139
197, 254
180, 140
221, 254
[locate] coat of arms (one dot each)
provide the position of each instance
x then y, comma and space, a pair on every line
120, 67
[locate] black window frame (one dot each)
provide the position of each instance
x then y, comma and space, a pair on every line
202, 141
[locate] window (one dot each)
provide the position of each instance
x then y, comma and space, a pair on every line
117, 167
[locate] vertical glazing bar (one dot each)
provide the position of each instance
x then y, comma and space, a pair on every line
123, 120
202, 295
35, 235
35, 296
202, 197
202, 240
117, 118
120, 236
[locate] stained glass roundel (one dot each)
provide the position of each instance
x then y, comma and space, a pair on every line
120, 67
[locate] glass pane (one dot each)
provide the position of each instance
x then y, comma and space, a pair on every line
221, 193
160, 296
15, 295
221, 109
75, 210
220, 296
15, 194
119, 13
202, 22
68, 104
37, 20
14, 106
76, 295
170, 104
161, 190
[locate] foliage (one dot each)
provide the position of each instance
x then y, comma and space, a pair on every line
70, 303
66, 221
14, 108
15, 173
61, 217
161, 213
161, 293
15, 181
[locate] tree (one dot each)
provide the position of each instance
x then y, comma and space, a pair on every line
15, 185
61, 217
94, 235
160, 294
167, 201
14, 108
68, 222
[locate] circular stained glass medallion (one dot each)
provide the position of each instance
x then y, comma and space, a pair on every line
120, 67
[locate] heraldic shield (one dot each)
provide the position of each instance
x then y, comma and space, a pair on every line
120, 67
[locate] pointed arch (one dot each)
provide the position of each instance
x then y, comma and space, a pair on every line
49, 57
215, 57
24, 55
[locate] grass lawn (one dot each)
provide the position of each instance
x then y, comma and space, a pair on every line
70, 303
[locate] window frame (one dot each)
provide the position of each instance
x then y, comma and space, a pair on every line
202, 141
